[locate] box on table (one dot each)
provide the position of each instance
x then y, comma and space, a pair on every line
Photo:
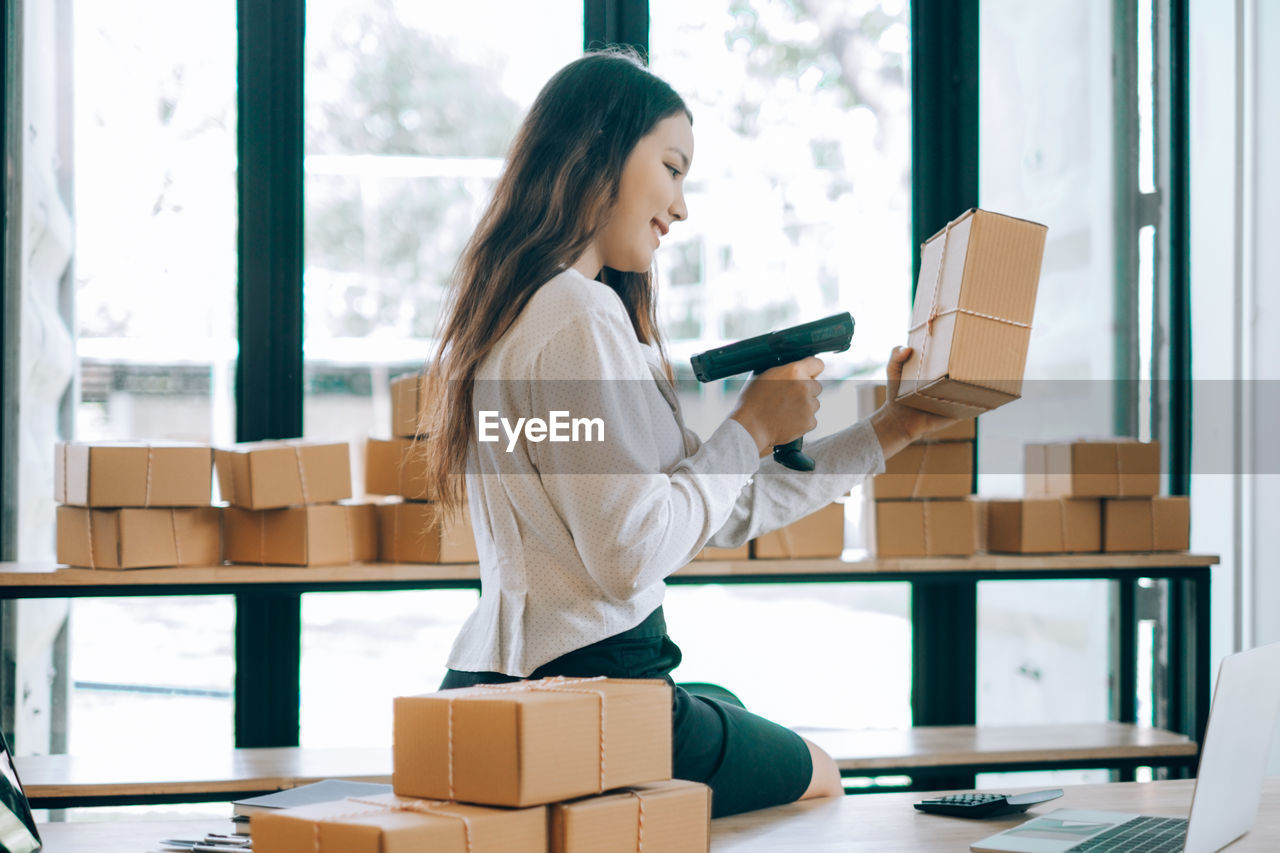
871, 396
1093, 468
742, 552
135, 538
386, 823
132, 474
275, 474
928, 528
676, 819
532, 742
942, 470
312, 535
1044, 525
396, 467
971, 321
1146, 524
408, 533
819, 534
408, 399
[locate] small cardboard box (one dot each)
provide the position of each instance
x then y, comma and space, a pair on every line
926, 471
1105, 468
676, 819
396, 467
1150, 524
932, 528
275, 474
532, 742
313, 535
871, 396
819, 534
408, 533
408, 396
971, 322
133, 538
742, 552
132, 474
1044, 525
389, 824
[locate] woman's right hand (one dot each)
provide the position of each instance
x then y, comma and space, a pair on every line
780, 404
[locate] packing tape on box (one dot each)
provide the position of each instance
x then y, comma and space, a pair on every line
1062, 524
302, 476
554, 684
88, 523
934, 313
173, 528
924, 521
375, 807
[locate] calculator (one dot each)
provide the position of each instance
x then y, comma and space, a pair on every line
986, 805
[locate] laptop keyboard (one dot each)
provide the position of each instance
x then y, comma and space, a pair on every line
1140, 835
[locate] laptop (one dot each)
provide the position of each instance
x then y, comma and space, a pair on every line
1233, 763
17, 826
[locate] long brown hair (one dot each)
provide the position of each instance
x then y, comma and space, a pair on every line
555, 193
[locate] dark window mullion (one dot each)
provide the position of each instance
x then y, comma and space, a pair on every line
616, 22
269, 383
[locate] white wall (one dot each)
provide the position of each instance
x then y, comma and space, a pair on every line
1235, 264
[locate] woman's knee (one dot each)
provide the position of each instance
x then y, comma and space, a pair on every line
825, 781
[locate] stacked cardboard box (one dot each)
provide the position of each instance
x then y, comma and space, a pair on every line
290, 505
409, 529
132, 505
1090, 495
920, 507
819, 534
567, 765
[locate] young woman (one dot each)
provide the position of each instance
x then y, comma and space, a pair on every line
553, 310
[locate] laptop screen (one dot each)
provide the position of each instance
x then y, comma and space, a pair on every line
17, 825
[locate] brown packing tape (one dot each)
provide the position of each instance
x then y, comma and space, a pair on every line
88, 523
302, 473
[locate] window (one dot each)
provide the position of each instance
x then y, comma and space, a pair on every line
799, 207
409, 112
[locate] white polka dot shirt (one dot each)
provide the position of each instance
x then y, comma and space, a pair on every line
576, 538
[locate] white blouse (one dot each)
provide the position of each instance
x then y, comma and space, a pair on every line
576, 538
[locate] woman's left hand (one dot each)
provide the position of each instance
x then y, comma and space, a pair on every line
898, 425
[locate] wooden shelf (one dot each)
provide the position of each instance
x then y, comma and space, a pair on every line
150, 774
46, 574
883, 750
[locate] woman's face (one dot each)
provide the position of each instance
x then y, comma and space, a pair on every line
650, 196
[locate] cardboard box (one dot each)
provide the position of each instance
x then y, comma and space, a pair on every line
1044, 525
677, 819
132, 474
275, 474
408, 533
1093, 468
819, 534
408, 396
133, 538
314, 535
926, 471
933, 528
1152, 524
742, 552
971, 322
396, 467
871, 396
532, 742
389, 824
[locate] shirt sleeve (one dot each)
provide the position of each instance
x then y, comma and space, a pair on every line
633, 524
776, 496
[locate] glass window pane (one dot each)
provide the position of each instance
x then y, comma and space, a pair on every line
129, 312
799, 207
409, 112
1042, 652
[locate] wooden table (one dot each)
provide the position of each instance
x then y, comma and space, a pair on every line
870, 823
944, 615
